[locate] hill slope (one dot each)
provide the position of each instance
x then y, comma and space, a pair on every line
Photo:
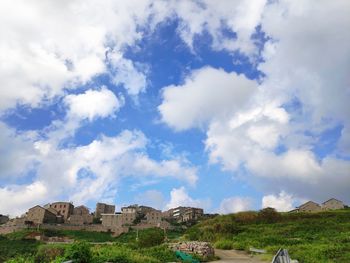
312, 237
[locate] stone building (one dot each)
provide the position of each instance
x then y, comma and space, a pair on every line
112, 221
81, 216
102, 208
153, 217
309, 206
81, 210
191, 214
332, 204
40, 215
64, 209
3, 219
183, 214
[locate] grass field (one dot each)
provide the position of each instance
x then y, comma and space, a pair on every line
310, 238
18, 247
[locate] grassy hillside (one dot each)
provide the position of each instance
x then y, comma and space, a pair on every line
311, 237
19, 247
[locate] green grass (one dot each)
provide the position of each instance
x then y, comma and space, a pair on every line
317, 237
19, 248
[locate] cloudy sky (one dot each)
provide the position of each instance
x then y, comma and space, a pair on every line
226, 105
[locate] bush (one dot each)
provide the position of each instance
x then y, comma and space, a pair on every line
79, 252
162, 253
224, 244
48, 253
269, 215
151, 237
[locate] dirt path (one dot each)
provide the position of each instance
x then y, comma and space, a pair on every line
234, 256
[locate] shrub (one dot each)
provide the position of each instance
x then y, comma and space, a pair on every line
224, 244
151, 237
79, 252
48, 253
268, 215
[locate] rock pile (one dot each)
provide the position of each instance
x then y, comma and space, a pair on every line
203, 249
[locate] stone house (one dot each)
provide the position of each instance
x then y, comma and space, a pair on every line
40, 215
3, 219
112, 221
102, 208
65, 209
153, 217
192, 214
81, 216
309, 206
332, 204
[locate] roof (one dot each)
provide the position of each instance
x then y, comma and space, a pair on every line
308, 202
332, 199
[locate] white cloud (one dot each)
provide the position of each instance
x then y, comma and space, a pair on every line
17, 153
90, 172
125, 72
282, 202
152, 198
17, 199
235, 204
92, 104
206, 93
275, 127
180, 197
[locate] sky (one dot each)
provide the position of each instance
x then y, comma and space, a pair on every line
228, 105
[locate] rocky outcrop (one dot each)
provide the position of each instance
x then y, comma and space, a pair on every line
203, 249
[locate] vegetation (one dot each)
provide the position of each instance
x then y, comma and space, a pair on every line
21, 247
309, 237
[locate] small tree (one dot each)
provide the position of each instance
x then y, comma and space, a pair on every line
269, 215
79, 252
151, 237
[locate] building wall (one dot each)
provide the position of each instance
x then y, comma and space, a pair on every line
81, 210
63, 208
332, 204
154, 217
102, 208
112, 220
40, 215
80, 219
192, 213
3, 219
310, 207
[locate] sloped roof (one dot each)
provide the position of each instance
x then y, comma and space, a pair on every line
308, 202
332, 199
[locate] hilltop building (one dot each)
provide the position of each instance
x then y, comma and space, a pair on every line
310, 206
81, 216
40, 215
102, 208
64, 209
183, 214
3, 219
332, 204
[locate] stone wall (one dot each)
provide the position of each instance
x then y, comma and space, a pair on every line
203, 249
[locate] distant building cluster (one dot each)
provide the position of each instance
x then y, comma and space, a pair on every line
310, 206
104, 218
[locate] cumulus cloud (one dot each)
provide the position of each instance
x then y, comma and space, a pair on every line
17, 198
180, 197
206, 93
274, 130
92, 104
151, 198
282, 202
17, 152
235, 204
95, 169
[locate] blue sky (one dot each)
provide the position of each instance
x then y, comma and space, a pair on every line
167, 103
